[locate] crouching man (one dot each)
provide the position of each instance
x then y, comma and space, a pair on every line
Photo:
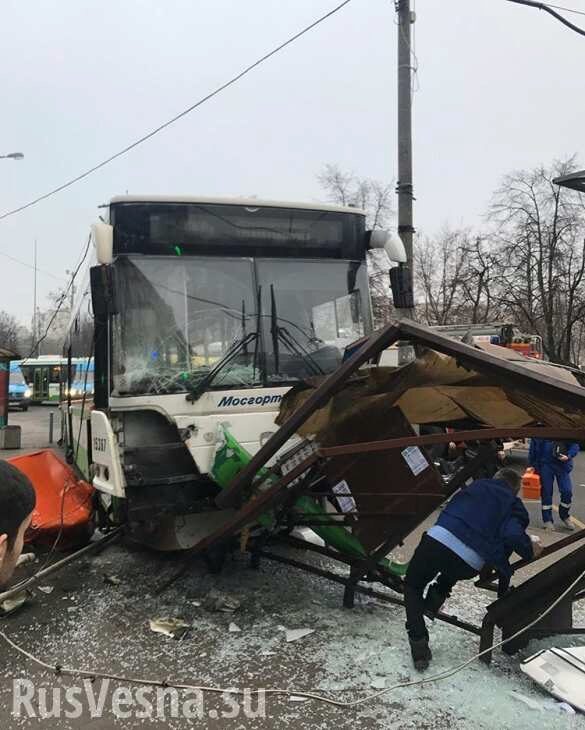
17, 502
483, 524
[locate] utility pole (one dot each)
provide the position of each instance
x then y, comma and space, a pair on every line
72, 291
34, 345
404, 185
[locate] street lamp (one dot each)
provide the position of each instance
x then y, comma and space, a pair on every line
12, 156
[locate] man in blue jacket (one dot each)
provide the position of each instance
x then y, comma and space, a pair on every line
482, 525
554, 460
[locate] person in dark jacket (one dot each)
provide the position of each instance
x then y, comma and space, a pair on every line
554, 460
17, 502
482, 525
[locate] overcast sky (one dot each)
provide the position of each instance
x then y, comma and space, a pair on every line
501, 88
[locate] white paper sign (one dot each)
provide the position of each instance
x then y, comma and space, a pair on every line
346, 503
415, 459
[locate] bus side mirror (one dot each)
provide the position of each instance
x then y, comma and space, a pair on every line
379, 238
103, 291
103, 236
400, 283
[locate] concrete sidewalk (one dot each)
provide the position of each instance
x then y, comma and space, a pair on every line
34, 425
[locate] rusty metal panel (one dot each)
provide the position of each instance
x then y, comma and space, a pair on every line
508, 372
383, 483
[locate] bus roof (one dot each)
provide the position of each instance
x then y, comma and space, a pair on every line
43, 360
247, 202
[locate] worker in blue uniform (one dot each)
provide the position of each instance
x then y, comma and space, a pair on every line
480, 526
554, 460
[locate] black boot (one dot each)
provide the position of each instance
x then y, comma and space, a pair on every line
421, 653
434, 601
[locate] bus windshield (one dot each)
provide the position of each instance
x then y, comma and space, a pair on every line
258, 322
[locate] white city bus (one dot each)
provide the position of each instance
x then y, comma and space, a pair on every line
202, 313
43, 375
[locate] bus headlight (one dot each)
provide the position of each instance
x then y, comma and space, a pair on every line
28, 393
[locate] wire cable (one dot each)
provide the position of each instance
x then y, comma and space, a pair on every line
549, 9
30, 266
62, 670
567, 10
60, 303
176, 118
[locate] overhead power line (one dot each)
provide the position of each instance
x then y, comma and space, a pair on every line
30, 266
176, 118
567, 10
62, 300
549, 9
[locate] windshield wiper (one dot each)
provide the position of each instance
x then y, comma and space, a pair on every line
293, 345
241, 344
274, 331
258, 361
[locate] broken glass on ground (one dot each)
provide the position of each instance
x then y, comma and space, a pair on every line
175, 628
220, 602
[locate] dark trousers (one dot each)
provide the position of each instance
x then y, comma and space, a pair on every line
430, 559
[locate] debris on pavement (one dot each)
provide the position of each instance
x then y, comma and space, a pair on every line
234, 628
528, 701
308, 535
112, 580
295, 634
10, 605
175, 628
25, 558
46, 589
548, 704
562, 707
220, 602
378, 683
559, 671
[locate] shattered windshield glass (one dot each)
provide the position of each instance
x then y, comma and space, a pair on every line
232, 322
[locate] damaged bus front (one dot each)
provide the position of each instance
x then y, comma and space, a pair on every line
201, 314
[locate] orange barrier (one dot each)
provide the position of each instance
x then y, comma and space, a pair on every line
64, 502
530, 484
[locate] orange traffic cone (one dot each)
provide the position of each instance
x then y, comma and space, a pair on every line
530, 484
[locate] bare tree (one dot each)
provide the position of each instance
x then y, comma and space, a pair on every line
375, 197
540, 244
8, 331
339, 185
477, 280
453, 277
